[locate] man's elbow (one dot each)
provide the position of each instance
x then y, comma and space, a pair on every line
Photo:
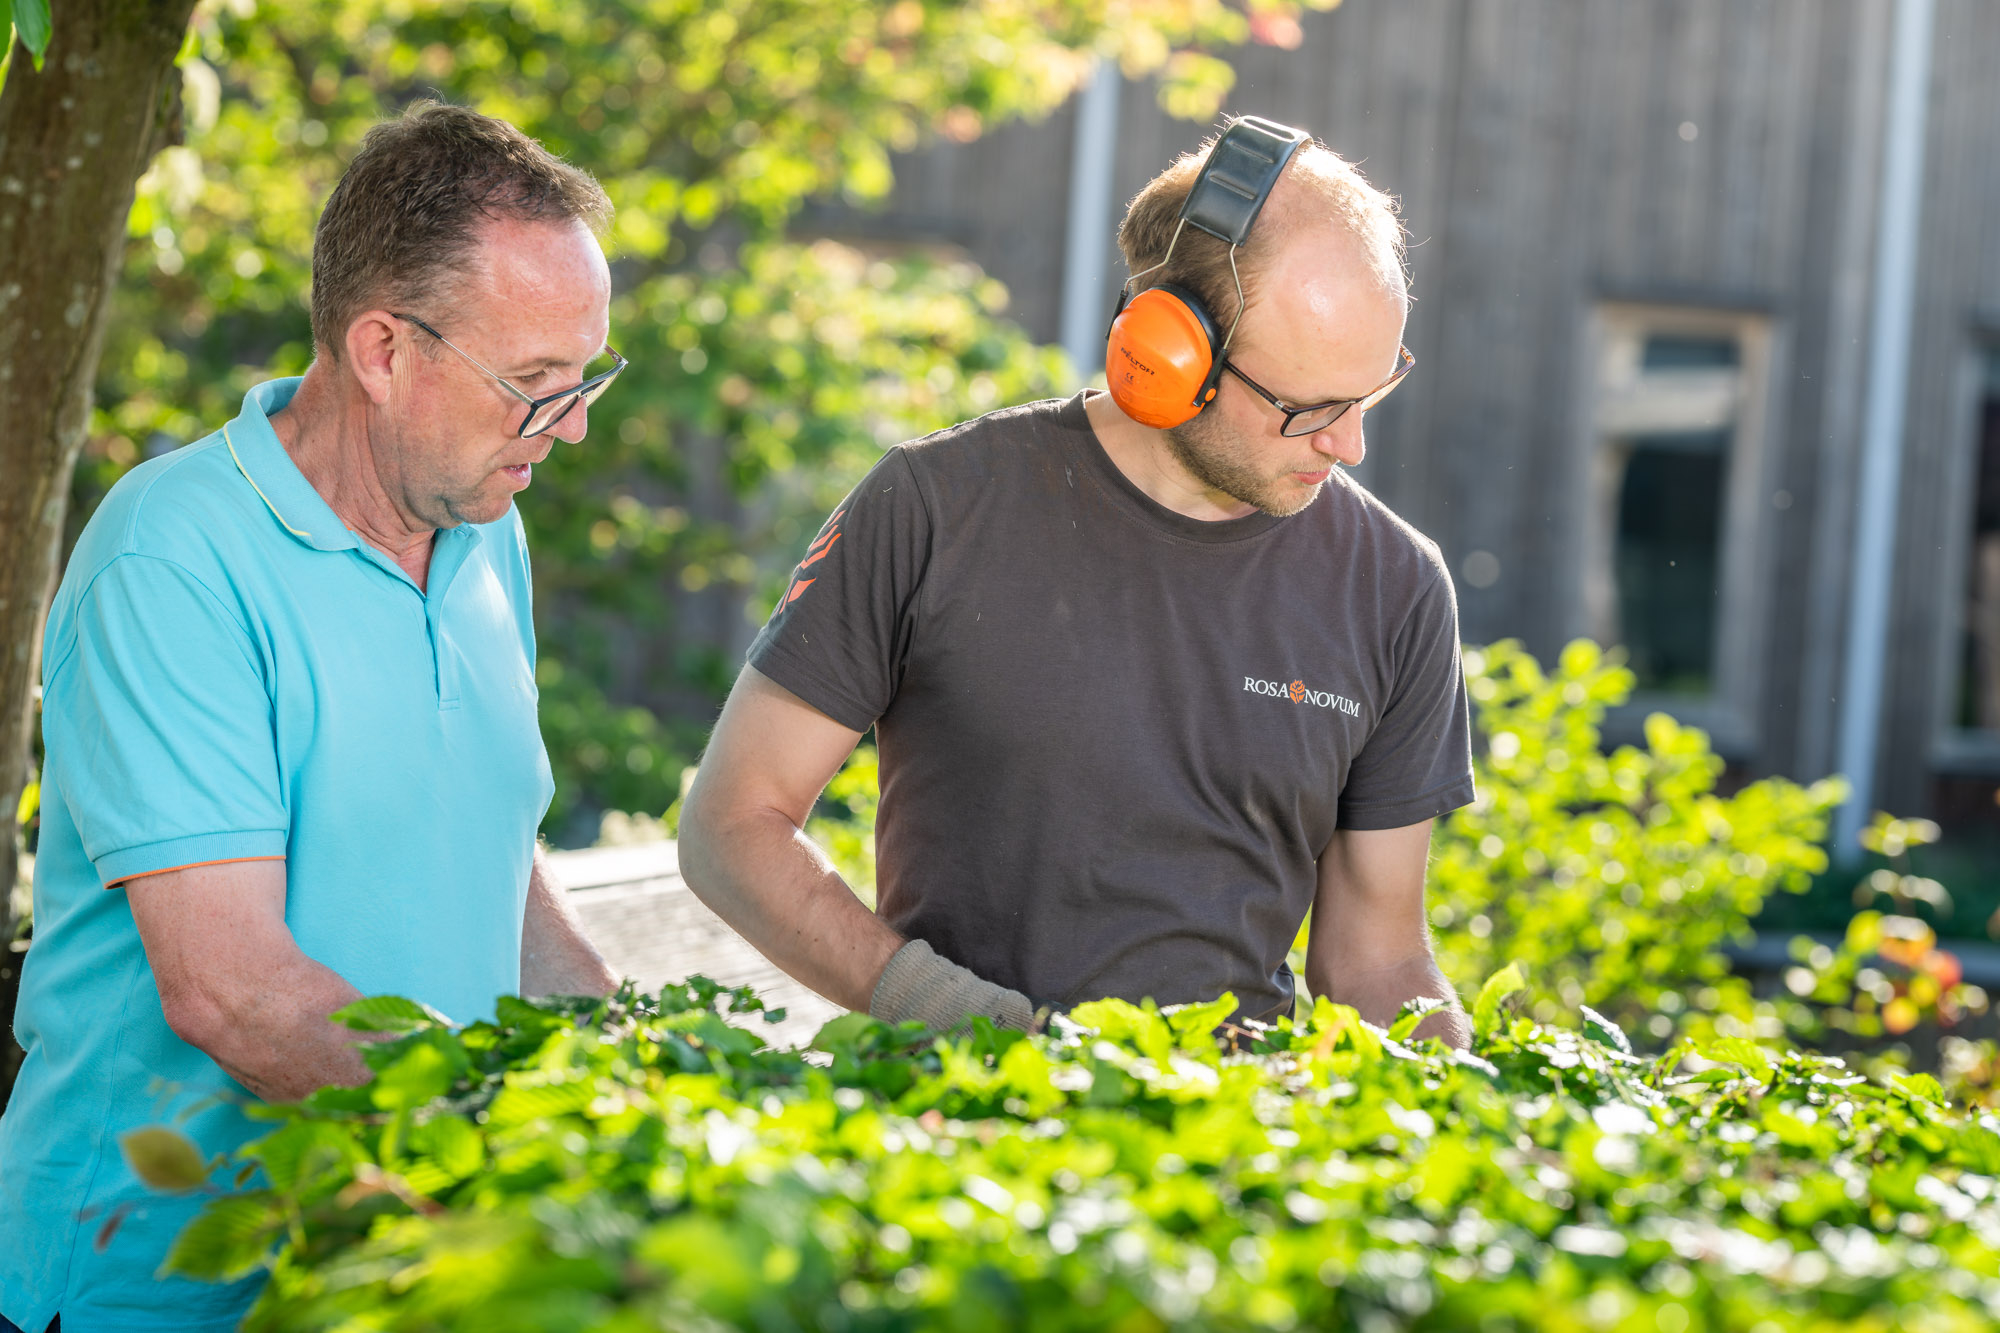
717, 824
201, 1017
696, 837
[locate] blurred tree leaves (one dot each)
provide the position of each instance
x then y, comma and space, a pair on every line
767, 370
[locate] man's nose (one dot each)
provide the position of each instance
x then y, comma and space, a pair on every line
574, 424
1342, 441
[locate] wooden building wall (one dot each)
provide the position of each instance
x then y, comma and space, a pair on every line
1542, 155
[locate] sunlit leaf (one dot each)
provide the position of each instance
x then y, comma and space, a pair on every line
164, 1158
387, 1013
1508, 981
31, 24
230, 1238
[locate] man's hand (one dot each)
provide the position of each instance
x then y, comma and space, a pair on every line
234, 982
745, 853
1370, 946
557, 957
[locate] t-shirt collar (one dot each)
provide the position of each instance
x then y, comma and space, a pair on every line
1127, 495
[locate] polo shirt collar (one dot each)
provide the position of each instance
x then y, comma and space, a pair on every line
293, 504
302, 512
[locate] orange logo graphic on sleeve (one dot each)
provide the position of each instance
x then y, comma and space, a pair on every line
822, 546
1297, 689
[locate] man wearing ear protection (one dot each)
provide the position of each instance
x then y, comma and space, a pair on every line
1150, 675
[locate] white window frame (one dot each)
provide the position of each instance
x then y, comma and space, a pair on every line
1620, 401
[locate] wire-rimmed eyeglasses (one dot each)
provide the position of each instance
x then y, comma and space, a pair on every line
543, 413
1318, 416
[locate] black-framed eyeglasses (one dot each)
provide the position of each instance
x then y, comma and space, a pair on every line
543, 413
1318, 416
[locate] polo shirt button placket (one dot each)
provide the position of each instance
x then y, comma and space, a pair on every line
444, 671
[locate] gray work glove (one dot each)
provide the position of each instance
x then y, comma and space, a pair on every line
918, 986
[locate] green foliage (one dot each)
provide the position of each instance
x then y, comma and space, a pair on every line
1886, 976
386, 1013
645, 1163
1615, 879
31, 24
768, 372
1501, 987
1909, 893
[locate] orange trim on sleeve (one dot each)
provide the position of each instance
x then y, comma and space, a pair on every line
192, 865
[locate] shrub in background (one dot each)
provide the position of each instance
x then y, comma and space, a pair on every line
1619, 879
1615, 878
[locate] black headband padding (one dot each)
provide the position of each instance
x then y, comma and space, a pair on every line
1238, 177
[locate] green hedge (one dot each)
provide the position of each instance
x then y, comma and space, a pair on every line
641, 1163
648, 1163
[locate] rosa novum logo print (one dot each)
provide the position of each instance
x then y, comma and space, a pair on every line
1298, 692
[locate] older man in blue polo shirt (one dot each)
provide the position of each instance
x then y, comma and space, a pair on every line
289, 713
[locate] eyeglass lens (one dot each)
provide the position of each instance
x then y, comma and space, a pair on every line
1311, 422
550, 414
1307, 423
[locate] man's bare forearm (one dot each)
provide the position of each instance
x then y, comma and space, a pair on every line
280, 1044
758, 871
234, 984
557, 957
1377, 993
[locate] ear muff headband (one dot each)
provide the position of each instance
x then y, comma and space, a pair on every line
1163, 356
1162, 352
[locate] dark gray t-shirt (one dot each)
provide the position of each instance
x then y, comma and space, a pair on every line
1115, 739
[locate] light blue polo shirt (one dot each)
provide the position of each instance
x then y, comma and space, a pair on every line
230, 673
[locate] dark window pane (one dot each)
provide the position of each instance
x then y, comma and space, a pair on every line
1669, 558
1979, 676
1684, 352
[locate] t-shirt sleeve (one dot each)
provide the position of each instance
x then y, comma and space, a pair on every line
841, 633
160, 720
1417, 763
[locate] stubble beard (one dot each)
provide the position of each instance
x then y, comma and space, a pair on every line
1204, 447
473, 507
453, 498
444, 501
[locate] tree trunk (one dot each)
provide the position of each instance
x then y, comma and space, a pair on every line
74, 138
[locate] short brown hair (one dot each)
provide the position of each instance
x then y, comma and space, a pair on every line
401, 225
1336, 191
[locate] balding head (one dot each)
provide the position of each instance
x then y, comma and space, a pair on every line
1319, 200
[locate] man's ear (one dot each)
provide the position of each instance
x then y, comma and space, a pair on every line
373, 344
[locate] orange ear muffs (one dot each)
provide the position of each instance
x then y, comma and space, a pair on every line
1161, 357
